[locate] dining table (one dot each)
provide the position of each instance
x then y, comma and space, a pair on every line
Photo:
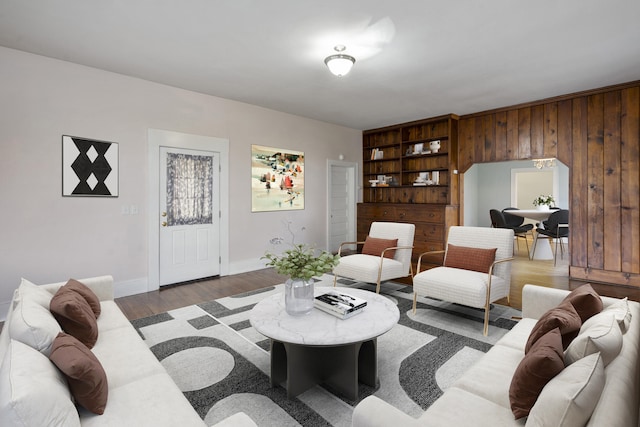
535, 214
543, 247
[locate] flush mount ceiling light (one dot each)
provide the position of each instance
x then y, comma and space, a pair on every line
339, 64
544, 163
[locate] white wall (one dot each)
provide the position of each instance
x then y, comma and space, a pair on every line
470, 211
49, 238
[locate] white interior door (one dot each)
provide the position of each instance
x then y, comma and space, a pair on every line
189, 215
342, 202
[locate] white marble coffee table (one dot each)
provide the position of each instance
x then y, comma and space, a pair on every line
319, 348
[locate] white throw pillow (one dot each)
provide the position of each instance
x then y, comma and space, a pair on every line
571, 396
33, 392
34, 325
34, 292
621, 311
600, 333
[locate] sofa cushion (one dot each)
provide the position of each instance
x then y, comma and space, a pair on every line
375, 246
33, 292
457, 408
32, 391
564, 317
569, 399
622, 313
86, 293
474, 259
585, 300
153, 400
496, 367
75, 316
87, 380
600, 333
517, 337
111, 317
543, 362
124, 356
33, 324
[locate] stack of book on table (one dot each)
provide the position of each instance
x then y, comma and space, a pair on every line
340, 304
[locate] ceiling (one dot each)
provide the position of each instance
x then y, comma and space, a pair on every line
414, 58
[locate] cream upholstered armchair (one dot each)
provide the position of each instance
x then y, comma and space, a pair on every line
476, 271
386, 255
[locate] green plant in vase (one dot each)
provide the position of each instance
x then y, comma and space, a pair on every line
544, 202
300, 263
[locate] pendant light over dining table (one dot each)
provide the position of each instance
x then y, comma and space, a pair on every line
339, 64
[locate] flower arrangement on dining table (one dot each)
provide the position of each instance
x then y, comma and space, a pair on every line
544, 200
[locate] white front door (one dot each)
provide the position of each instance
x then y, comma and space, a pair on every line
189, 221
342, 193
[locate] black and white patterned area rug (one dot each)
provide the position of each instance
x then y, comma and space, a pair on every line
222, 364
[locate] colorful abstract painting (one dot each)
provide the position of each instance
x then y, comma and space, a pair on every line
277, 179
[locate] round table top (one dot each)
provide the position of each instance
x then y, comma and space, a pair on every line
318, 328
535, 214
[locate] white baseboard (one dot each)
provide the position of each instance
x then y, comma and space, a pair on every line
246, 266
126, 288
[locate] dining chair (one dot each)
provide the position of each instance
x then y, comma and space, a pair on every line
385, 255
520, 231
555, 227
512, 220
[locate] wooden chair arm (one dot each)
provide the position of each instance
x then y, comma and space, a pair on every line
348, 243
498, 262
394, 248
427, 253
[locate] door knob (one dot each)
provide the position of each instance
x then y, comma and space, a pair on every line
164, 223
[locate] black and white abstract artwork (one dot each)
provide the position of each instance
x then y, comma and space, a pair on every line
89, 167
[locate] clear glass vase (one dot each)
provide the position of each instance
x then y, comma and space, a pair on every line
298, 296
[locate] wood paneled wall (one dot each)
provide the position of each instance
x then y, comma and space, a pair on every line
597, 135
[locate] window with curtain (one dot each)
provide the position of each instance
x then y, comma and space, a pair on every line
189, 189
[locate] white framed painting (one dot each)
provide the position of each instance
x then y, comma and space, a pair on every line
277, 179
89, 167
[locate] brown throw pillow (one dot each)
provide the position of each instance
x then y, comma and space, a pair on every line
75, 316
474, 259
536, 369
374, 246
85, 375
564, 317
586, 301
87, 294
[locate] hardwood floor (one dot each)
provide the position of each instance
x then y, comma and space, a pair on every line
523, 271
176, 296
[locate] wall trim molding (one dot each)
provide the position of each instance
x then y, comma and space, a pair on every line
558, 98
127, 288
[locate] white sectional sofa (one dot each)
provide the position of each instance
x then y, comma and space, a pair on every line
33, 391
480, 397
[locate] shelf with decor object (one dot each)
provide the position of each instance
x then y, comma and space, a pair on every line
426, 147
422, 159
407, 152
